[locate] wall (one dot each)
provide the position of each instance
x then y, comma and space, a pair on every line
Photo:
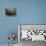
28, 12
33, 12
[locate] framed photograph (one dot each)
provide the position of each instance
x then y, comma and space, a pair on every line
10, 11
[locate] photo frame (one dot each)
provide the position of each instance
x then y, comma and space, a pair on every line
10, 11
